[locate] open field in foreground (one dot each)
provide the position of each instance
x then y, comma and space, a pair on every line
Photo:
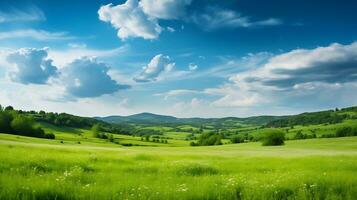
302, 169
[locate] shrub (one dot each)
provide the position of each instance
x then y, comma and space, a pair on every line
193, 144
22, 125
299, 135
5, 122
111, 138
346, 131
273, 137
238, 138
208, 139
50, 136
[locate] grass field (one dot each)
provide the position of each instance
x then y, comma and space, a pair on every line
33, 168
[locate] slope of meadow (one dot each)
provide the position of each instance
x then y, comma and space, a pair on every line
33, 168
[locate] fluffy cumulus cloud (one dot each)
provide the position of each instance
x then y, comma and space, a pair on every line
80, 78
140, 19
332, 64
213, 18
31, 66
86, 77
136, 18
157, 66
301, 76
130, 20
164, 9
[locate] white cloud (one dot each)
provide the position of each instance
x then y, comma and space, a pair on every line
53, 98
141, 19
152, 71
234, 96
332, 64
214, 18
174, 93
164, 9
77, 45
85, 77
302, 77
40, 35
192, 67
31, 66
190, 108
170, 29
130, 20
62, 57
82, 77
15, 15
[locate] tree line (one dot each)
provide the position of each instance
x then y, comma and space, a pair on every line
324, 117
14, 122
68, 120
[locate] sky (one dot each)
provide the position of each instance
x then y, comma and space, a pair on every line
186, 58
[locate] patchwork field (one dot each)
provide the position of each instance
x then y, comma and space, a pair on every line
33, 168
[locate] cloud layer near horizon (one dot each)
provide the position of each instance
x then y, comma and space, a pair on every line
290, 77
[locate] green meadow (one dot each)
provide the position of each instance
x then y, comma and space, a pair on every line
78, 166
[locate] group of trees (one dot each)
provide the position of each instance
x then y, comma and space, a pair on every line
346, 131
208, 139
143, 132
343, 131
64, 119
13, 122
274, 137
241, 138
300, 135
323, 117
269, 137
155, 138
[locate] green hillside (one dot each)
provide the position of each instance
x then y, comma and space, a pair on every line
155, 161
96, 170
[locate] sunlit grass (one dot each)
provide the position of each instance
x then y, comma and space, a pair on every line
308, 169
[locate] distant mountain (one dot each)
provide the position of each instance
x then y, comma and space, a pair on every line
140, 118
150, 118
321, 117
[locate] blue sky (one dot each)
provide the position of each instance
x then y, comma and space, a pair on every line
186, 58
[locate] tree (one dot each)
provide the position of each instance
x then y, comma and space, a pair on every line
238, 138
299, 135
111, 138
9, 108
208, 139
22, 125
5, 122
273, 137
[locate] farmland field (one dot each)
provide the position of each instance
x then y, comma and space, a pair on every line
33, 168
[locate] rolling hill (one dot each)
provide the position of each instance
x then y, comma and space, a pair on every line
153, 119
